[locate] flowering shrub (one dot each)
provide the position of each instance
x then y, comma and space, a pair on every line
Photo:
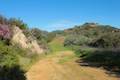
5, 32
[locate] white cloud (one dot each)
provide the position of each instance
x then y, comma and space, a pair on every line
60, 25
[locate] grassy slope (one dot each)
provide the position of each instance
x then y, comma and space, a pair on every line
57, 44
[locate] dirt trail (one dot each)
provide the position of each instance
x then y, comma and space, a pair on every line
50, 68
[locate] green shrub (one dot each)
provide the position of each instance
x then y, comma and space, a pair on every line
108, 40
9, 60
104, 57
9, 63
17, 22
83, 52
8, 56
77, 40
12, 73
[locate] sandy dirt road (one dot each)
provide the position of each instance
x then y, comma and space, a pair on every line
49, 68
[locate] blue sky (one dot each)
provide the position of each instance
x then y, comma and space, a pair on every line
60, 14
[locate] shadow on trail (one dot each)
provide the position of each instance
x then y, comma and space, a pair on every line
13, 73
107, 59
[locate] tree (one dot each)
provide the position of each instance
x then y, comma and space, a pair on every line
17, 22
3, 20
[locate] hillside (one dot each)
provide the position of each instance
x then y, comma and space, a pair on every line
92, 34
93, 29
83, 52
96, 45
18, 51
93, 59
